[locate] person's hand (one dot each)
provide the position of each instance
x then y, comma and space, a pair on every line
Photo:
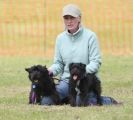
50, 73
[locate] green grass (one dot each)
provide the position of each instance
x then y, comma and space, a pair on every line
117, 82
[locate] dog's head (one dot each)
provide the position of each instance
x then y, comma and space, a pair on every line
77, 71
36, 73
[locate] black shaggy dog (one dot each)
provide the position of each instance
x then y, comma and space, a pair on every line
42, 85
81, 84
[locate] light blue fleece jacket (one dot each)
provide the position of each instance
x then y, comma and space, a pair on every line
80, 47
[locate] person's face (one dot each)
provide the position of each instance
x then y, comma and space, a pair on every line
71, 23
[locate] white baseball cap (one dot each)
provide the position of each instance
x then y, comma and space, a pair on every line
71, 9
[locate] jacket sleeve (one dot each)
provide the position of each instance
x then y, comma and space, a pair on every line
58, 65
94, 55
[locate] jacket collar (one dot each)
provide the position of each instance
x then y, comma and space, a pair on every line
79, 31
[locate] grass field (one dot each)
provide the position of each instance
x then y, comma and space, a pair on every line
117, 82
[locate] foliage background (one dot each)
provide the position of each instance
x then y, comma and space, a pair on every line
30, 27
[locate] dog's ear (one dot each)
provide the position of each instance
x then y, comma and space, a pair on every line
70, 66
83, 66
27, 69
44, 66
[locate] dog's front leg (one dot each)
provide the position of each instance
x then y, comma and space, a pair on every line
38, 99
72, 97
84, 99
55, 97
97, 91
72, 100
99, 100
32, 97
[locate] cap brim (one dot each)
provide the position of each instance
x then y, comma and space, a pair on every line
73, 15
